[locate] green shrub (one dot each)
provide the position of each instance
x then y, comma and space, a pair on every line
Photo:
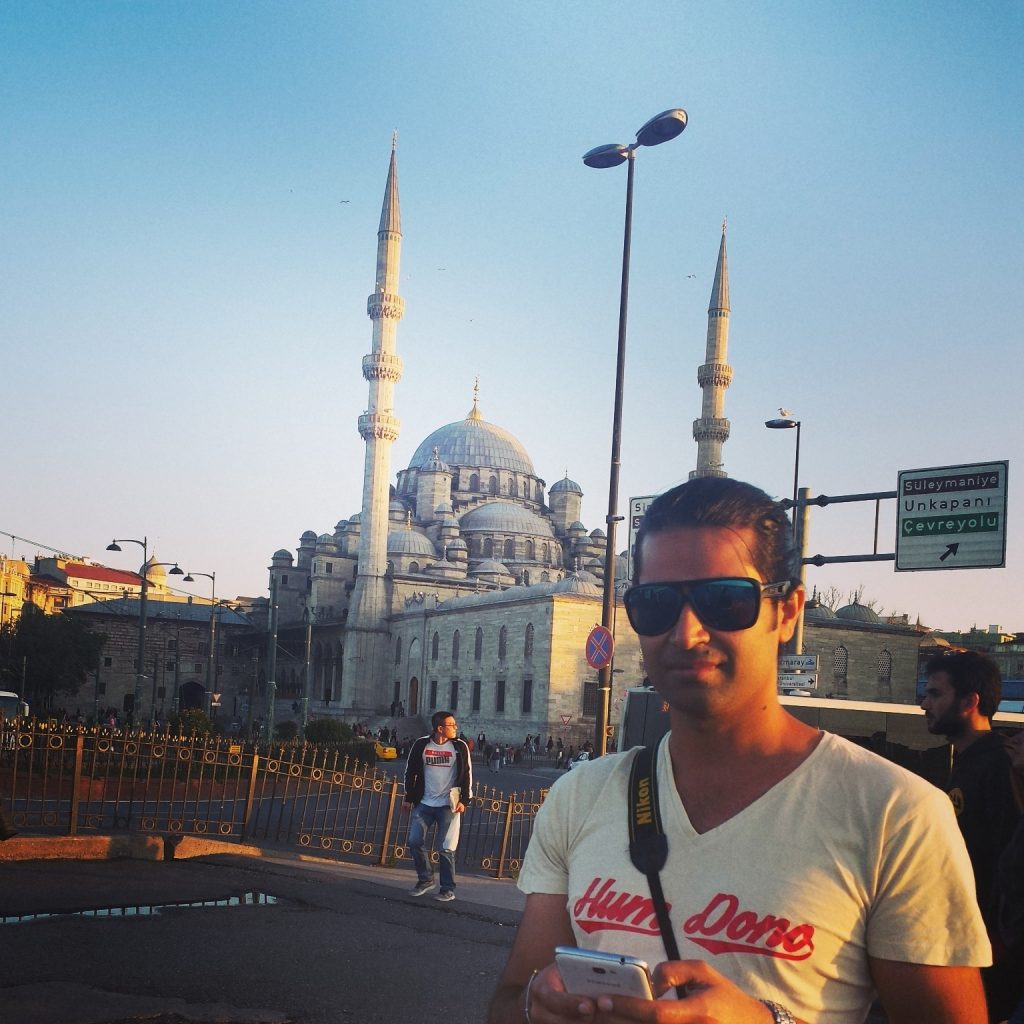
193, 722
286, 731
322, 731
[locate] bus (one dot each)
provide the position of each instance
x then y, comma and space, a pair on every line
12, 706
895, 731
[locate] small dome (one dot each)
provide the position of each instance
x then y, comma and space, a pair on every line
598, 534
341, 526
579, 583
282, 557
354, 519
577, 526
817, 610
489, 567
308, 536
505, 517
449, 522
458, 545
857, 612
445, 508
565, 484
409, 542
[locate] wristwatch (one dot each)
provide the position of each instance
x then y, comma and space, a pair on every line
780, 1014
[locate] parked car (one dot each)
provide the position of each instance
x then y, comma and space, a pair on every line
385, 751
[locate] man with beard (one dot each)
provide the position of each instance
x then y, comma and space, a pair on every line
800, 874
960, 698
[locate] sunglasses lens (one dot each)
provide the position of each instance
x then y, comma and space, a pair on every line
726, 604
653, 608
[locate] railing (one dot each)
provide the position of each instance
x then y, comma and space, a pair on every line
73, 779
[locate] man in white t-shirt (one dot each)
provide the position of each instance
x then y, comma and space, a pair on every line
804, 874
438, 786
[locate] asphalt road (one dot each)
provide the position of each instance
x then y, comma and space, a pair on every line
339, 944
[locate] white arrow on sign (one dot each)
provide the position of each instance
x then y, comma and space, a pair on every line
790, 680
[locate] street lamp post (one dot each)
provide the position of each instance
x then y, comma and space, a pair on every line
661, 128
307, 670
210, 677
140, 668
799, 517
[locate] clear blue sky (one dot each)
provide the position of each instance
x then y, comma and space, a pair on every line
189, 197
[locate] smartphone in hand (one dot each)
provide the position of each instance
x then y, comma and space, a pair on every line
588, 972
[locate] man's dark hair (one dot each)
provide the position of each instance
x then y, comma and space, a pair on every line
721, 501
971, 672
437, 719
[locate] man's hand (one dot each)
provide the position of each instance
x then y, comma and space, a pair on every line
709, 997
460, 807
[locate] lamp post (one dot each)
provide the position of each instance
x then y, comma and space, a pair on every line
661, 128
799, 517
140, 670
210, 677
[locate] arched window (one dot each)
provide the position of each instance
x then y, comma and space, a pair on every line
528, 643
434, 644
474, 482
502, 643
492, 485
545, 554
455, 647
478, 644
513, 487
840, 667
474, 547
529, 550
414, 567
398, 651
510, 550
488, 548
885, 675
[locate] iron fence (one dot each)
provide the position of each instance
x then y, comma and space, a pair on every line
75, 779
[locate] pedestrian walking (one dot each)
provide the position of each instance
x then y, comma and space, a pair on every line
438, 787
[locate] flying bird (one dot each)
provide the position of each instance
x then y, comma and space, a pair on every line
691, 275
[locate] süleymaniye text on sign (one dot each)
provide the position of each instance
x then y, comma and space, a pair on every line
952, 517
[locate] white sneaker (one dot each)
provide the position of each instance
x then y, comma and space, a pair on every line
445, 896
422, 887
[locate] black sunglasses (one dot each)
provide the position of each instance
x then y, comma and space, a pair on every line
728, 603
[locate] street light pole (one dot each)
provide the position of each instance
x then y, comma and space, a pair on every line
307, 673
798, 514
140, 668
210, 679
661, 128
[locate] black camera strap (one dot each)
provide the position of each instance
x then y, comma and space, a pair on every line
648, 844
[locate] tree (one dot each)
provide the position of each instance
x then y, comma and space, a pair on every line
55, 652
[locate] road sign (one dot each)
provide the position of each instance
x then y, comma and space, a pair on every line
793, 681
637, 508
600, 646
798, 663
952, 517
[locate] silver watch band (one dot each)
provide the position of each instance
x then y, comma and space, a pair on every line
779, 1012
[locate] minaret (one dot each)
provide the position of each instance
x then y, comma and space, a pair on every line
382, 368
711, 431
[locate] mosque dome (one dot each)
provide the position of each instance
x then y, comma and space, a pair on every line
816, 610
307, 536
579, 583
857, 612
489, 567
458, 545
505, 517
282, 557
409, 542
473, 442
565, 484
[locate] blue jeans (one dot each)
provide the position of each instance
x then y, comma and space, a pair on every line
447, 823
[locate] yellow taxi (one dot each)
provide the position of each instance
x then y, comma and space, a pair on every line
385, 752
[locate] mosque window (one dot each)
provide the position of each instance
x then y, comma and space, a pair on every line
528, 643
433, 694
590, 700
455, 647
478, 644
510, 549
840, 668
513, 487
492, 485
474, 482
545, 553
884, 666
414, 567
488, 548
284, 581
527, 696
539, 493
499, 696
434, 644
529, 550
329, 568
454, 702
502, 643
476, 695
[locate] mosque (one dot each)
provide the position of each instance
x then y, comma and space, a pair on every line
468, 584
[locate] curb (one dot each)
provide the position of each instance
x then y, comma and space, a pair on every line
108, 847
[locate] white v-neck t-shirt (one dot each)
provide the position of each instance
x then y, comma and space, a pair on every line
849, 856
